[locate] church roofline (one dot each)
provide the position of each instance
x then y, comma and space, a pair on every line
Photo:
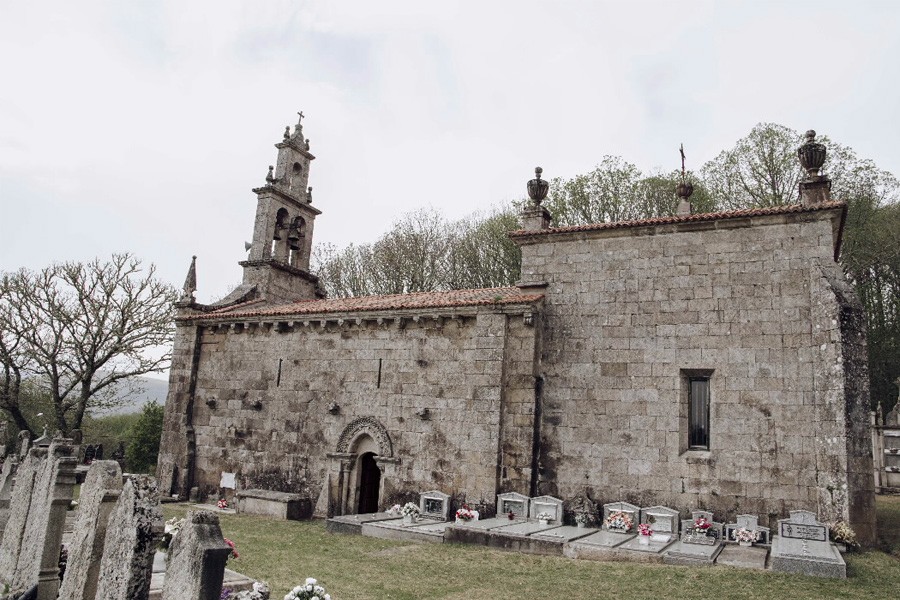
419, 301
711, 218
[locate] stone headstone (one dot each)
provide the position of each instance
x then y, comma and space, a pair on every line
98, 452
583, 505
750, 523
29, 552
197, 560
624, 507
227, 481
89, 452
512, 502
546, 505
4, 438
7, 479
134, 528
19, 507
690, 534
434, 505
802, 546
663, 520
23, 444
99, 493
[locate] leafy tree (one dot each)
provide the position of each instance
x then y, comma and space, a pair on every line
80, 332
141, 453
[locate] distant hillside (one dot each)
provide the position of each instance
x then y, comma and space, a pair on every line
153, 389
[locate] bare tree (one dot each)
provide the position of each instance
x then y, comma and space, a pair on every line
82, 332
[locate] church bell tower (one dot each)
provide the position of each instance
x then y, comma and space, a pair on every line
278, 264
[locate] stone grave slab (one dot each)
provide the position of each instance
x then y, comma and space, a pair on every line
655, 546
606, 539
434, 505
197, 559
753, 557
803, 546
512, 502
353, 523
566, 533
428, 531
546, 505
696, 546
524, 528
486, 524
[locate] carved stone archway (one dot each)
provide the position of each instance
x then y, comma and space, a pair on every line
342, 480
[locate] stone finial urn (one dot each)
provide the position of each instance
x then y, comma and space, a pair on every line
684, 189
811, 154
537, 187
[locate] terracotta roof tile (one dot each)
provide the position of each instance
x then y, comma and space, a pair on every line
420, 300
732, 214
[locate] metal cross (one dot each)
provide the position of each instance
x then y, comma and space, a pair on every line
681, 149
302, 115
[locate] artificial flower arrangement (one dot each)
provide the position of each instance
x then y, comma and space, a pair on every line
545, 516
311, 590
701, 524
644, 529
234, 552
409, 510
170, 530
742, 534
842, 533
394, 510
619, 521
260, 591
511, 516
584, 518
465, 513
222, 504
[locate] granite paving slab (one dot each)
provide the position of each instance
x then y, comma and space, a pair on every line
733, 555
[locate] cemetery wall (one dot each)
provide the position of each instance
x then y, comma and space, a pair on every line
757, 303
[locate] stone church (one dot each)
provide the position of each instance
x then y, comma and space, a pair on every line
711, 361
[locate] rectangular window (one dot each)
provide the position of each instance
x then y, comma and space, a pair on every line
698, 413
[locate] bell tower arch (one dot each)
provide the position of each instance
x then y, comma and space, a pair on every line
278, 264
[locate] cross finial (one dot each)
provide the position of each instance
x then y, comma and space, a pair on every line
681, 149
300, 115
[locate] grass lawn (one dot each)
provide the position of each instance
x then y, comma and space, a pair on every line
284, 553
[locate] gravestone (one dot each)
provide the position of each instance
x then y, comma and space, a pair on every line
7, 479
608, 537
750, 523
89, 452
197, 559
696, 546
29, 552
134, 528
624, 507
546, 505
583, 505
99, 493
434, 505
664, 523
23, 444
512, 502
803, 546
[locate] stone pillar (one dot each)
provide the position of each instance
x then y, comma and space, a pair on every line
99, 493
60, 497
196, 560
132, 533
535, 217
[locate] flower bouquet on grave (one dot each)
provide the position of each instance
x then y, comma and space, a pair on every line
394, 510
465, 514
842, 533
170, 530
619, 522
583, 519
544, 518
701, 526
222, 504
744, 536
409, 511
308, 591
233, 546
644, 533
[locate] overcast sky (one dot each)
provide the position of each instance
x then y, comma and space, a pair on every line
143, 126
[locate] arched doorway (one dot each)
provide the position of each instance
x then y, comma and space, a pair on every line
369, 483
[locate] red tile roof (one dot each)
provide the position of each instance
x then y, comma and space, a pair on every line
732, 214
420, 300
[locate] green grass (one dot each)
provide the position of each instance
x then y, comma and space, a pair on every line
284, 553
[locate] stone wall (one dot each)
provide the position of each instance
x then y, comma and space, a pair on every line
272, 401
630, 312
